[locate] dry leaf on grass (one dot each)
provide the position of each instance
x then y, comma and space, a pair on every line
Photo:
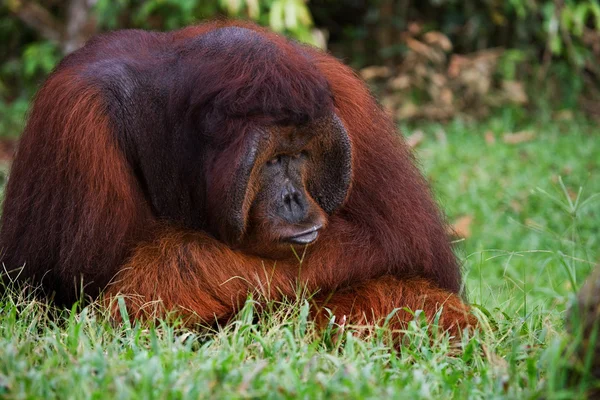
516, 206
415, 139
566, 170
462, 227
518, 137
490, 138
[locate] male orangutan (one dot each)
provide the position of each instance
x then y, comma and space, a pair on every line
193, 167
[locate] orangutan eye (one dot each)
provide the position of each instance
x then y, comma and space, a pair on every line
301, 155
274, 160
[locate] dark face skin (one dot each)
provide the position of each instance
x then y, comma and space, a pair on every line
283, 215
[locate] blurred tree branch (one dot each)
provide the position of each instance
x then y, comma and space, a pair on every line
70, 34
37, 18
80, 24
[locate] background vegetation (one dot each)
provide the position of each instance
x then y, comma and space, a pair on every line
500, 101
448, 54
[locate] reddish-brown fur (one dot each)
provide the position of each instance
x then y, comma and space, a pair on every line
76, 212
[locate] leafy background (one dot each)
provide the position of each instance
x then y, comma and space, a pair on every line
500, 101
500, 51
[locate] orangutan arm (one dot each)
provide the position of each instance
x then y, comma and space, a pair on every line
373, 301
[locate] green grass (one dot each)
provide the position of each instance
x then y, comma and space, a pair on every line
534, 238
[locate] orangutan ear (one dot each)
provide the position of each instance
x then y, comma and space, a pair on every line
331, 167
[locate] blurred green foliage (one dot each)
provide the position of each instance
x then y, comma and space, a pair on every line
560, 37
558, 26
289, 16
27, 58
551, 45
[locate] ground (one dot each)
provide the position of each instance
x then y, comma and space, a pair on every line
526, 207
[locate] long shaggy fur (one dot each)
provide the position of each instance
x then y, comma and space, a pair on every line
133, 142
